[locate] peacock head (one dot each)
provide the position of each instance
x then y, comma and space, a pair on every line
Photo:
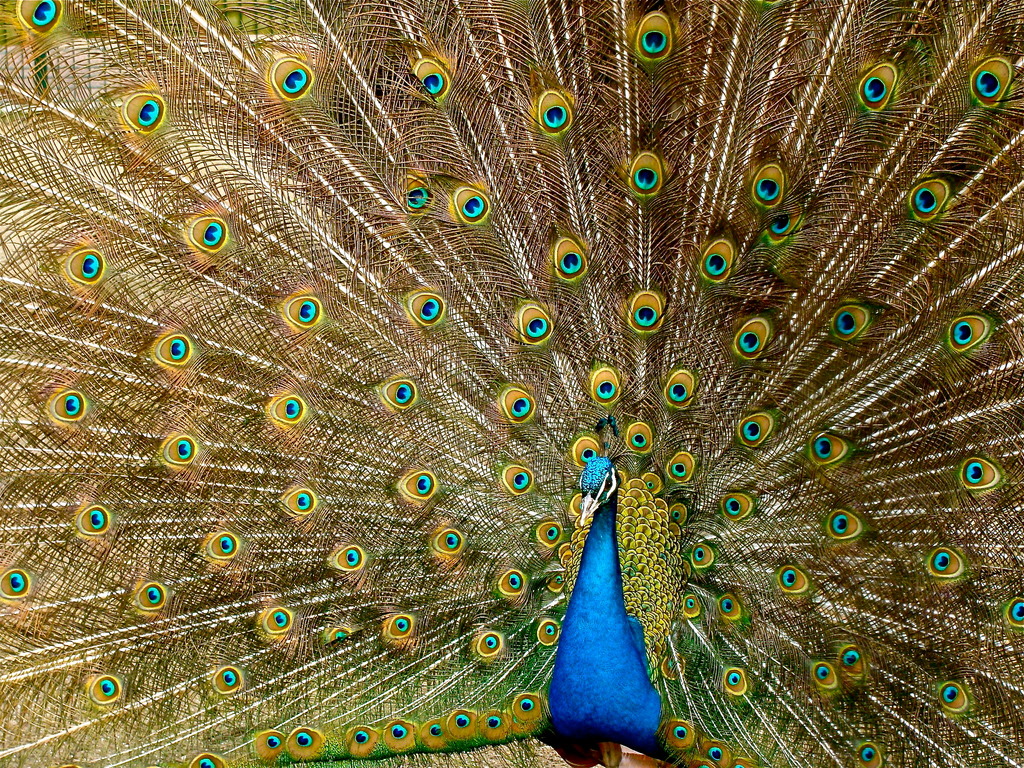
598, 481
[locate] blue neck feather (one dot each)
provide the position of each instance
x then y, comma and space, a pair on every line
600, 690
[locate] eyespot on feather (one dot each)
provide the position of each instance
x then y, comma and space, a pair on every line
980, 474
533, 323
734, 680
702, 556
1013, 612
851, 662
792, 580
548, 631
399, 735
488, 646
968, 331
516, 404
755, 428
144, 112
104, 690
268, 745
336, 634
850, 321
361, 741
67, 406
946, 563
433, 75
654, 37
511, 585
991, 80
15, 584
680, 467
290, 78
447, 543
844, 525
876, 86
646, 174
276, 621
827, 449
639, 437
84, 267
93, 520
207, 760
304, 743
729, 607
528, 710
927, 199
736, 505
716, 260
691, 606
653, 483
752, 337
781, 227
471, 205
173, 350
678, 735
460, 725
953, 697
584, 448
151, 596
40, 16
300, 501
399, 629
554, 112
547, 533
769, 185
399, 394
823, 675
425, 308
179, 451
679, 389
646, 312
869, 755
569, 259
517, 479
227, 680
417, 194
418, 486
221, 546
302, 311
348, 558
207, 234
287, 410
605, 386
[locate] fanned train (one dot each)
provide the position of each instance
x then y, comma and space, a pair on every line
438, 382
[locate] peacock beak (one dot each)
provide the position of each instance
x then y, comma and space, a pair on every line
587, 509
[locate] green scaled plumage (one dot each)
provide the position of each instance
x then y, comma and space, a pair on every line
308, 310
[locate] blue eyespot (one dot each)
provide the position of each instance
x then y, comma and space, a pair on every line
679, 469
751, 430
677, 393
846, 323
514, 581
435, 730
549, 629
822, 672
645, 178
308, 311
727, 605
654, 42
153, 595
273, 742
179, 348
749, 342
461, 721
875, 90
571, 263
183, 448
734, 678
72, 405
423, 484
229, 678
963, 332
679, 732
491, 642
16, 581
417, 197
840, 524
520, 480
107, 687
789, 577
434, 83
645, 316
1017, 611
521, 407
780, 224
97, 519
402, 625
526, 705
537, 327
295, 80
867, 754
715, 753
90, 266
403, 393
473, 207
552, 532
850, 657
303, 500
715, 264
987, 84
361, 737
452, 541
941, 560
768, 189
292, 408
493, 722
207, 763
430, 309
588, 454
555, 117
823, 447
925, 200
227, 544
149, 113
638, 440
44, 13
949, 693
280, 618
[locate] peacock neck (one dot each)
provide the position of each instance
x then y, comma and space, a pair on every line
600, 689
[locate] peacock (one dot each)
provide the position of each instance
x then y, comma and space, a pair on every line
512, 383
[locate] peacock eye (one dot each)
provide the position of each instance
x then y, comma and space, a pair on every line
221, 546
1015, 613
735, 681
488, 646
953, 697
569, 260
751, 338
304, 743
702, 556
548, 533
680, 467
104, 689
517, 479
533, 323
646, 174
584, 449
516, 404
347, 558
844, 525
691, 607
646, 311
300, 501
869, 755
85, 267
447, 543
928, 198
824, 676
781, 227
151, 596
968, 332
640, 437
826, 449
654, 37
946, 563
287, 410
605, 385
291, 78
471, 205
717, 259
432, 75
511, 585
554, 113
144, 112
792, 580
729, 607
756, 428
40, 16
68, 406
93, 520
679, 734
547, 632
418, 486
179, 451
227, 680
269, 744
768, 187
876, 86
677, 513
276, 621
736, 505
302, 311
990, 81
399, 628
15, 584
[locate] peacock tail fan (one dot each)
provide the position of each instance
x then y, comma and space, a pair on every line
309, 308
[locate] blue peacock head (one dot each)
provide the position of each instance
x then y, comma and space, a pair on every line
599, 481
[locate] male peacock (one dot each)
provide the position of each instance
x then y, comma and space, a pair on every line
391, 378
